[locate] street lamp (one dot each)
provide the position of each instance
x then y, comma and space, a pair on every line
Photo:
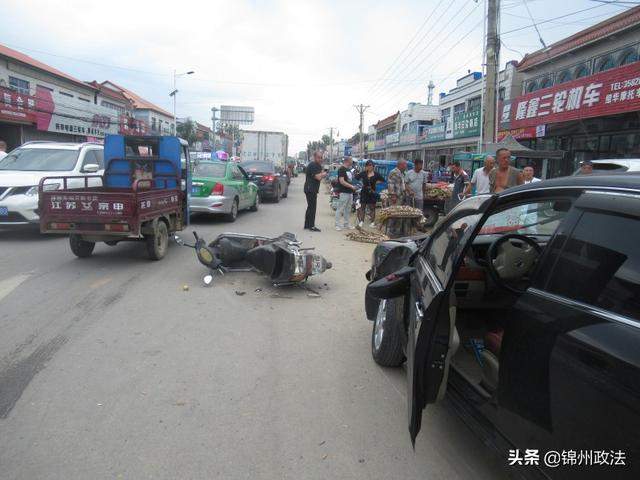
174, 93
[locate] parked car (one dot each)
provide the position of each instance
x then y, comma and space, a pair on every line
614, 165
222, 188
23, 168
524, 307
272, 183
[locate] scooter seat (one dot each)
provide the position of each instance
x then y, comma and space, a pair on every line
231, 252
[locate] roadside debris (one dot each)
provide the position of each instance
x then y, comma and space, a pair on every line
185, 288
240, 293
314, 295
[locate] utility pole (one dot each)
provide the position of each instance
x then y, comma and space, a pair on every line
213, 121
331, 146
361, 109
491, 80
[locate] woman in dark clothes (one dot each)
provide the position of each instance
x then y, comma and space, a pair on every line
368, 196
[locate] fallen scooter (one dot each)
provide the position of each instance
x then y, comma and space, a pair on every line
281, 258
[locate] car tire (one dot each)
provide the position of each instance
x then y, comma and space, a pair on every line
276, 198
386, 334
430, 215
158, 242
256, 204
81, 248
233, 214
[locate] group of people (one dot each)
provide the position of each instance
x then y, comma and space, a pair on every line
406, 187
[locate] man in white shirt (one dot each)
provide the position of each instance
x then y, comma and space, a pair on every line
416, 181
481, 177
527, 173
3, 149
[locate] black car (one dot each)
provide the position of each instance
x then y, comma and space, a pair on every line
524, 307
272, 183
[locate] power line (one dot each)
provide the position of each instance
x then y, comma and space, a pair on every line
544, 45
409, 43
552, 19
418, 42
391, 83
445, 53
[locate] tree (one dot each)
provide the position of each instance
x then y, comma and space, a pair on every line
187, 130
231, 130
326, 140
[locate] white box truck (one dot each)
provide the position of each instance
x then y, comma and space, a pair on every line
264, 146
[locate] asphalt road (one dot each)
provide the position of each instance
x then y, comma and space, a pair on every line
109, 369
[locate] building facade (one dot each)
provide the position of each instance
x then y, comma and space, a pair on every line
581, 95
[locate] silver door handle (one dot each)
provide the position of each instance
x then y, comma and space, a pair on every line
419, 311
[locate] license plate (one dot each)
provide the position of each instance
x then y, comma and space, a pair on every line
4, 211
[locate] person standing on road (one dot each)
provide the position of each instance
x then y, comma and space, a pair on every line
505, 176
397, 183
460, 182
346, 188
480, 178
368, 195
314, 174
3, 149
586, 167
527, 175
417, 180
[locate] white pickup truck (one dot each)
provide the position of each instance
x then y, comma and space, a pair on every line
23, 168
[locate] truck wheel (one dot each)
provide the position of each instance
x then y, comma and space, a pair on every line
386, 335
233, 214
81, 248
158, 243
430, 215
256, 204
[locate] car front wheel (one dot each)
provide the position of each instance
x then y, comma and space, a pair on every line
386, 335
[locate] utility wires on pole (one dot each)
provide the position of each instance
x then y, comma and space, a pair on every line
361, 109
491, 81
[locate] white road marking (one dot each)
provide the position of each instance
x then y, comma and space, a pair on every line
8, 285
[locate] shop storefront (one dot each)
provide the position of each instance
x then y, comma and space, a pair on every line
53, 117
593, 117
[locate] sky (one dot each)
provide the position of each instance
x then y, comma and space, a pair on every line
302, 64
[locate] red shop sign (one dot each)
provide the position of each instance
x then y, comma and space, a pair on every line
16, 106
606, 93
523, 133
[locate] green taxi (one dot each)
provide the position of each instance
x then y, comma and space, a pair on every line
222, 188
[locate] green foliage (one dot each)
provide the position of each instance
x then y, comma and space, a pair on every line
187, 130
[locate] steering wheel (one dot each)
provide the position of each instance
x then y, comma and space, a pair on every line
510, 258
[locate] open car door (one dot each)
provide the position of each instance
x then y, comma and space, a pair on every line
432, 337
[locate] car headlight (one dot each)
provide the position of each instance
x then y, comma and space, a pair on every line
33, 191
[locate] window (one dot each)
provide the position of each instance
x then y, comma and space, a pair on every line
153, 124
459, 108
474, 103
627, 56
564, 76
95, 157
501, 93
65, 94
605, 63
537, 218
113, 106
599, 266
531, 86
444, 115
19, 85
581, 71
545, 82
236, 173
84, 99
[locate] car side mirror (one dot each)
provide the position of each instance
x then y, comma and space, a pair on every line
393, 285
91, 168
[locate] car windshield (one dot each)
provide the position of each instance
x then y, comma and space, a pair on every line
213, 170
540, 218
258, 167
40, 160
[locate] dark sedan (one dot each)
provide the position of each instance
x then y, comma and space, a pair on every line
272, 183
524, 307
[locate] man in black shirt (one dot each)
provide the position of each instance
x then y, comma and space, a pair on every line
314, 174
